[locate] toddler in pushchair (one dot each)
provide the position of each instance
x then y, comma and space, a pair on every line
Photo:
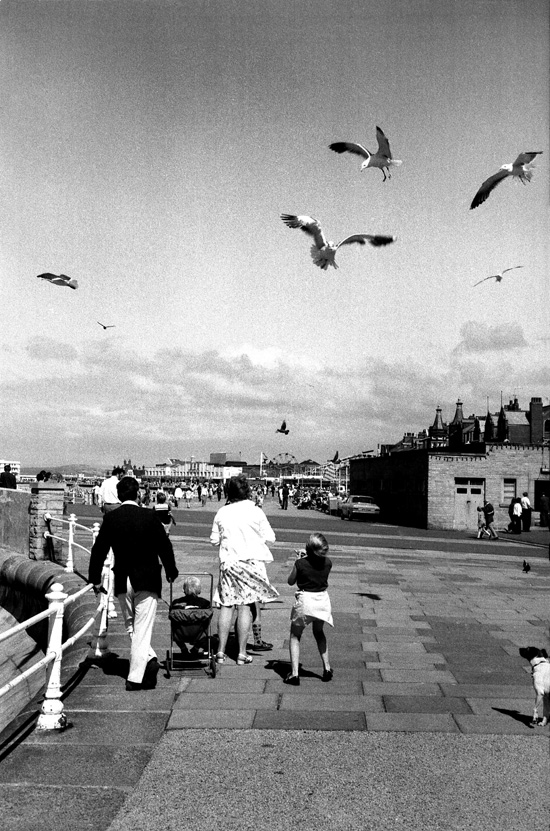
190, 618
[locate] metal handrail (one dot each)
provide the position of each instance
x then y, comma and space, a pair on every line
73, 525
52, 716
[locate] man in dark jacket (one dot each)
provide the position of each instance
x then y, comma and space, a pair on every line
139, 541
7, 479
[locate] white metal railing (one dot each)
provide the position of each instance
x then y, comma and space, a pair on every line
52, 715
71, 544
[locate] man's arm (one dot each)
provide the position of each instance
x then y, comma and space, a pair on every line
166, 552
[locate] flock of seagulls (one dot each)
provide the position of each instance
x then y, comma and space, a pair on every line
323, 251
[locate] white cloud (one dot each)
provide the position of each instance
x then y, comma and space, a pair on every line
481, 337
106, 404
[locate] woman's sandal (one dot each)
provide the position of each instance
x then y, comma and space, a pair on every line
244, 659
220, 657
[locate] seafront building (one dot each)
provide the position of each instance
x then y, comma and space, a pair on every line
438, 477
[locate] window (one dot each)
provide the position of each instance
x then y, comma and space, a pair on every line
508, 490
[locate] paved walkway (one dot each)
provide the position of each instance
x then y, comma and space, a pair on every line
425, 724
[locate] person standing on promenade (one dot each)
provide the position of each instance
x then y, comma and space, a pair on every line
284, 497
312, 604
108, 491
139, 541
516, 516
489, 512
242, 531
7, 479
525, 511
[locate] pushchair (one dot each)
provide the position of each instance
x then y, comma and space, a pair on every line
190, 629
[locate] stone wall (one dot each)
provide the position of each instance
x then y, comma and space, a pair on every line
46, 497
14, 520
519, 462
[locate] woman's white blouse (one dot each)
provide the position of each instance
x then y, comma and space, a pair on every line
242, 530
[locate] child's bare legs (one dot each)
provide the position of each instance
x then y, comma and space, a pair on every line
319, 635
296, 630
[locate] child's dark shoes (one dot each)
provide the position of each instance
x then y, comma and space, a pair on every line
292, 680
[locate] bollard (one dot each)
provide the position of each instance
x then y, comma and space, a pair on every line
52, 715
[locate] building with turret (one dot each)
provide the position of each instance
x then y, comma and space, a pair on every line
438, 477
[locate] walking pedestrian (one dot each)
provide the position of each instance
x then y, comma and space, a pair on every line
489, 512
516, 516
138, 541
312, 604
481, 524
108, 493
242, 531
284, 497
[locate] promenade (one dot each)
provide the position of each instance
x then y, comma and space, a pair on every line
425, 725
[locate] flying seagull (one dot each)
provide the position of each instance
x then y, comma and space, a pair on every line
282, 429
111, 326
498, 277
59, 280
382, 159
323, 252
521, 169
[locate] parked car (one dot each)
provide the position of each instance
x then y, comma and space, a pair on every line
354, 507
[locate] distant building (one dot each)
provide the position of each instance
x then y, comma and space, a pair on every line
438, 478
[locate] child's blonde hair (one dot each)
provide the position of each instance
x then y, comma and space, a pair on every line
192, 585
318, 545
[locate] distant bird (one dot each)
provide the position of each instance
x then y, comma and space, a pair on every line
521, 169
282, 429
382, 159
526, 567
110, 326
497, 277
323, 252
59, 280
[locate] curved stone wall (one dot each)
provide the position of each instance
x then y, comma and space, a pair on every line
23, 585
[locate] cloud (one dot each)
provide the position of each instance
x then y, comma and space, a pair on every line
107, 403
49, 349
481, 337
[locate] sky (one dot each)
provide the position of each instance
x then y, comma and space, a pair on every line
148, 149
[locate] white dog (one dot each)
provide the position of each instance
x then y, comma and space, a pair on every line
540, 670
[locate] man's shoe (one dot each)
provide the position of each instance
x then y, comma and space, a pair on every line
292, 680
150, 675
132, 686
262, 646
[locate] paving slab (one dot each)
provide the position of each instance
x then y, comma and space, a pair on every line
48, 808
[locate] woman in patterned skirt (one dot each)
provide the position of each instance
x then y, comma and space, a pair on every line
241, 531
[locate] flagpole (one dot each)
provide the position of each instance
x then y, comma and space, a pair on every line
261, 462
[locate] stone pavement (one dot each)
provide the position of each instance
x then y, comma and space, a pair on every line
425, 724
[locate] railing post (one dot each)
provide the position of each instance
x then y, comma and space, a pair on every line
52, 715
70, 553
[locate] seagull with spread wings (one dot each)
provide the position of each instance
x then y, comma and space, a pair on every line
497, 277
521, 170
59, 280
323, 252
382, 159
109, 326
283, 429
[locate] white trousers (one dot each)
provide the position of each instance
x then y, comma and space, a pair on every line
139, 610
